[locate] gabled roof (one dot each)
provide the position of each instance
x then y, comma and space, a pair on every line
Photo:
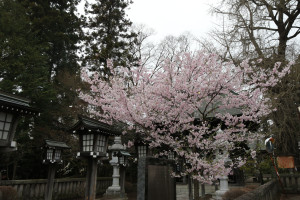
94, 125
9, 102
56, 144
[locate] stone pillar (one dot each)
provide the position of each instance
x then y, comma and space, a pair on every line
115, 189
141, 179
223, 187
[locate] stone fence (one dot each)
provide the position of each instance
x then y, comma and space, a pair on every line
290, 183
67, 188
268, 191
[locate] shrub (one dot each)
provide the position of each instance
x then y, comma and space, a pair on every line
8, 193
234, 193
251, 187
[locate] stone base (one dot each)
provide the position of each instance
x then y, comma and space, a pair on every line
219, 194
113, 190
114, 196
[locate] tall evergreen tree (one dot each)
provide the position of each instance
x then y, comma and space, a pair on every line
108, 35
38, 50
21, 52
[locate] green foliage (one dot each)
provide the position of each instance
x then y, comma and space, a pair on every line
39, 46
38, 58
21, 54
234, 193
253, 167
108, 36
8, 193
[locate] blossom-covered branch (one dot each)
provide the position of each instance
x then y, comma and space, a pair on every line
162, 106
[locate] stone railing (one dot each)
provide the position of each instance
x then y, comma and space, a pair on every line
268, 191
68, 188
290, 182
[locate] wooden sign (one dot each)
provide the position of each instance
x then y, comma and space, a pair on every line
286, 162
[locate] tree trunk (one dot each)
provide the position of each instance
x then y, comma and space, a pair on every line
202, 190
196, 190
281, 49
190, 188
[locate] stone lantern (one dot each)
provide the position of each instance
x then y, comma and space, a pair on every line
93, 139
224, 179
11, 109
119, 157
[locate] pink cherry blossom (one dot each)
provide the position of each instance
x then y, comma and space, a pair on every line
161, 106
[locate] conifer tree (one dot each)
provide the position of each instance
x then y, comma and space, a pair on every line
108, 35
38, 50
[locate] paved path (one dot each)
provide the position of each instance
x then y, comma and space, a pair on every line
290, 197
182, 192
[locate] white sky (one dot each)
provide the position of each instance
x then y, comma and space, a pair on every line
173, 17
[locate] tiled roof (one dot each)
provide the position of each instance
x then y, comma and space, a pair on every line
53, 143
16, 104
95, 125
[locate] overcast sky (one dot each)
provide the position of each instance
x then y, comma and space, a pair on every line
173, 17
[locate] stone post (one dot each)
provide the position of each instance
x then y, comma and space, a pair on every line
141, 178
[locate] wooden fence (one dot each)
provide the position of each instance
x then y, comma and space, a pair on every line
69, 188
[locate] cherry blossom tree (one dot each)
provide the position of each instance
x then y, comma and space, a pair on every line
162, 105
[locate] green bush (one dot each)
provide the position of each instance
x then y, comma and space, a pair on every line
8, 193
234, 193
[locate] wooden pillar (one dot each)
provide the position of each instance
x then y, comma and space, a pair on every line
50, 183
91, 179
122, 180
